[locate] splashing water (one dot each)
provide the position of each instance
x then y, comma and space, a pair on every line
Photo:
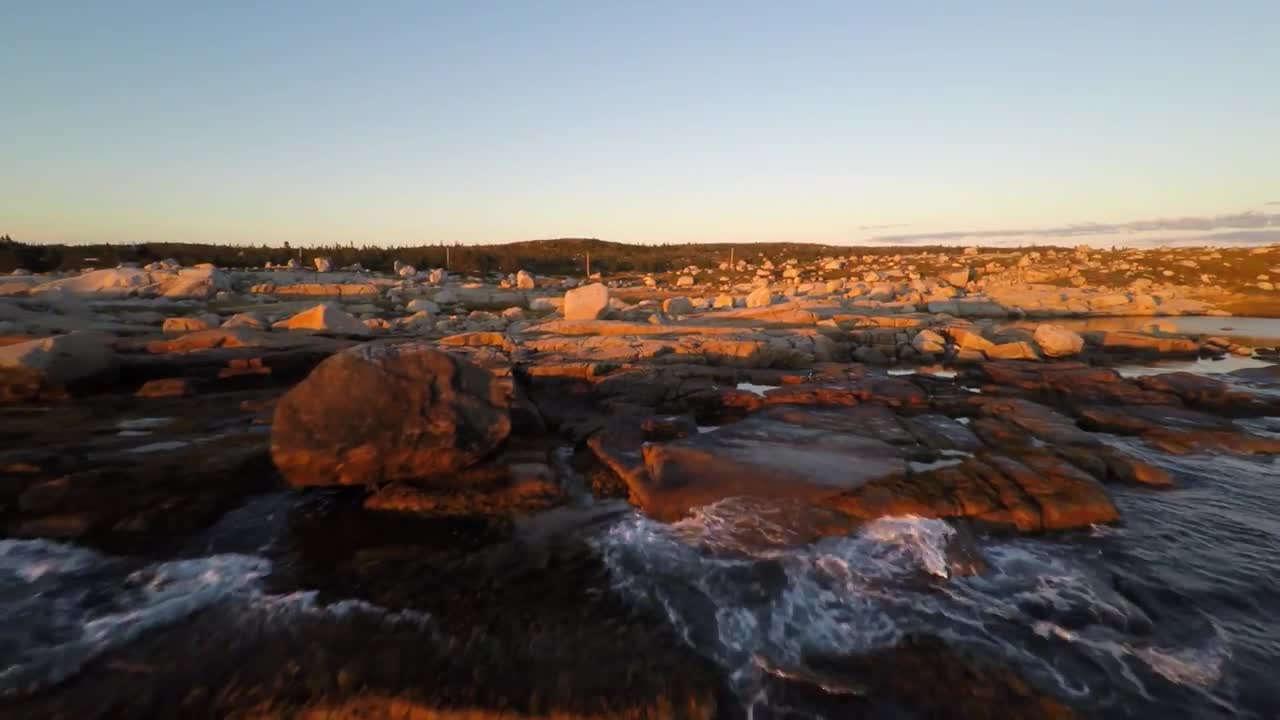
64, 606
750, 586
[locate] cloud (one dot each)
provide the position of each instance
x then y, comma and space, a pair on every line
891, 226
1093, 231
1272, 202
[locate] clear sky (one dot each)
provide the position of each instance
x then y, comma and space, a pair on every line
477, 121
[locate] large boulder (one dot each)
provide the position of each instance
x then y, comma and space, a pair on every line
677, 306
930, 342
324, 317
525, 280
27, 369
957, 278
760, 297
198, 283
968, 338
1057, 341
323, 264
379, 413
115, 282
589, 302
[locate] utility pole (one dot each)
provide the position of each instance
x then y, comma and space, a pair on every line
588, 264
446, 257
730, 258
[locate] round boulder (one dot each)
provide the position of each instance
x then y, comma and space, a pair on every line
1058, 341
379, 413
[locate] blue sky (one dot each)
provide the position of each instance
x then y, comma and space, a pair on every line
421, 122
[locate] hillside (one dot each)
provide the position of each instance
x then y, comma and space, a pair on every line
553, 256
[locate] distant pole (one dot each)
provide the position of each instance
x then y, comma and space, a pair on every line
446, 257
588, 264
730, 257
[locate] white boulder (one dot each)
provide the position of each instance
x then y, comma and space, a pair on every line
589, 302
114, 282
325, 317
1058, 341
760, 297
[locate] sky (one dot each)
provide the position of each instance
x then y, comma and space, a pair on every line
836, 122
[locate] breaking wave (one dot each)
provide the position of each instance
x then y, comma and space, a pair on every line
749, 586
63, 605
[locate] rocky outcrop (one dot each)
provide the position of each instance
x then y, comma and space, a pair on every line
861, 461
796, 458
50, 366
381, 413
317, 289
1034, 491
117, 282
186, 283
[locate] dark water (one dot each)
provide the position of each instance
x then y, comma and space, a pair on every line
1171, 614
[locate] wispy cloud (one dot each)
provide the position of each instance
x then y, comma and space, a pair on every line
891, 226
1272, 202
1244, 221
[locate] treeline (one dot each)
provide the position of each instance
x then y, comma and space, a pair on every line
564, 256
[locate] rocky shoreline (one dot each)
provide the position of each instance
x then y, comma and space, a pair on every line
418, 423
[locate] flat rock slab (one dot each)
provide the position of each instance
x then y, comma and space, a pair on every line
762, 456
1035, 492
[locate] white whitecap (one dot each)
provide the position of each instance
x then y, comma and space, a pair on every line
757, 389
